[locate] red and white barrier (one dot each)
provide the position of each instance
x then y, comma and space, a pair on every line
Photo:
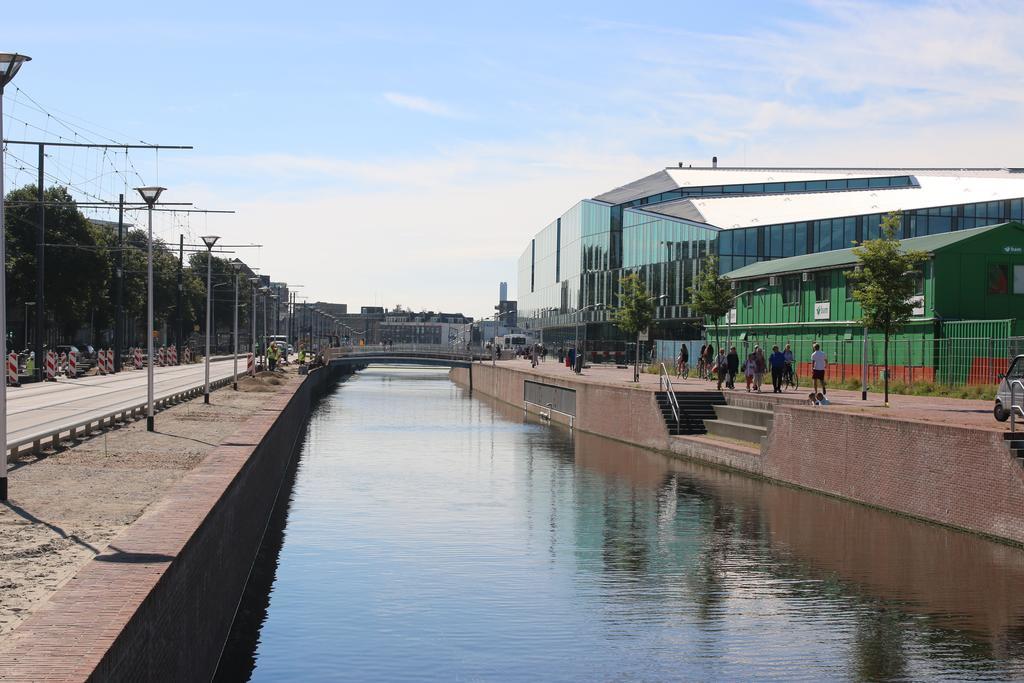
72, 371
137, 357
101, 362
187, 353
250, 365
110, 361
62, 364
12, 369
172, 355
51, 365
161, 359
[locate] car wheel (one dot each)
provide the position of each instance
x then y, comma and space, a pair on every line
1000, 414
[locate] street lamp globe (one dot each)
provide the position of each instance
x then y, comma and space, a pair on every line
150, 194
9, 65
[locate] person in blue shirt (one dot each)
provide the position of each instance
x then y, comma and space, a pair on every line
777, 362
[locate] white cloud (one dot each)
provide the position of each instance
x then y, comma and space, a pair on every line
422, 105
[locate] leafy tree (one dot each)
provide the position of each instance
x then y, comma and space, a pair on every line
77, 267
711, 296
884, 282
635, 312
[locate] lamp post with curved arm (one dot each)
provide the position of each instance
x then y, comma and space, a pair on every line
579, 311
728, 316
9, 65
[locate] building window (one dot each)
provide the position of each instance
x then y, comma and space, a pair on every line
848, 287
822, 287
1018, 279
791, 289
998, 278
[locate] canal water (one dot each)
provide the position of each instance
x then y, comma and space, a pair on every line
424, 534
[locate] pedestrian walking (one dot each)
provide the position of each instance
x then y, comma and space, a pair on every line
777, 361
761, 365
733, 367
721, 367
749, 368
819, 363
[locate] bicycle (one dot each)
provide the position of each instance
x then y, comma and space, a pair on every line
790, 380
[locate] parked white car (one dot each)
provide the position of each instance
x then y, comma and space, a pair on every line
1013, 379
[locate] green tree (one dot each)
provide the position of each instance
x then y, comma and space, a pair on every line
711, 294
884, 282
77, 270
635, 311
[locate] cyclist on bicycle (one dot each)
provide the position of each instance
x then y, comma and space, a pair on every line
787, 354
700, 361
682, 363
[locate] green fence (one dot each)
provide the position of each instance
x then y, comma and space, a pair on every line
951, 361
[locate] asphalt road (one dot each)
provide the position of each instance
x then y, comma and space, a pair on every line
54, 406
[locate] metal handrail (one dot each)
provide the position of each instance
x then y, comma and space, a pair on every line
123, 413
665, 382
1015, 407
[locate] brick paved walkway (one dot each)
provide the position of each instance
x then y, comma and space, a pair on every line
949, 411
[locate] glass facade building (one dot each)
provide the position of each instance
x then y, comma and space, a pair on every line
663, 226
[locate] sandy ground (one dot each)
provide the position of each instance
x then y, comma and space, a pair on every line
66, 506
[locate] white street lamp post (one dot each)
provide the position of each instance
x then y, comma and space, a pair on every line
209, 241
9, 65
237, 265
150, 195
728, 315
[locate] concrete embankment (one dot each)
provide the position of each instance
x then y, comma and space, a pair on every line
959, 476
159, 601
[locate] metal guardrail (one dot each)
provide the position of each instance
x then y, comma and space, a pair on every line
122, 414
550, 409
1016, 407
434, 351
664, 382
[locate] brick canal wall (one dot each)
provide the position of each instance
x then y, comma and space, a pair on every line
956, 476
628, 414
160, 601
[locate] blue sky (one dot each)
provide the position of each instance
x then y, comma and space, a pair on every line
404, 153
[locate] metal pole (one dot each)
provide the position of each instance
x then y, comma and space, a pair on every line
252, 314
149, 323
179, 318
864, 367
209, 301
234, 378
264, 324
3, 315
119, 289
40, 272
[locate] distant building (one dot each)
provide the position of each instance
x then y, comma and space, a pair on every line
503, 291
661, 227
425, 327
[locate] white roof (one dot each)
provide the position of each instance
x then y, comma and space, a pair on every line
674, 178
933, 190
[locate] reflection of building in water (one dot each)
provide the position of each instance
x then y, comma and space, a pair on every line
730, 534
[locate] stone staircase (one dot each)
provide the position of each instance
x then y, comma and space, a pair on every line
696, 410
741, 423
1015, 441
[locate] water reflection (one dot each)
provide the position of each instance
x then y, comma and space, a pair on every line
435, 535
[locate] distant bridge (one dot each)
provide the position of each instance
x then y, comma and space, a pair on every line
401, 354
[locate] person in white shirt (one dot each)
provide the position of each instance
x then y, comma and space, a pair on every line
819, 361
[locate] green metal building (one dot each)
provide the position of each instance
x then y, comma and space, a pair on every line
969, 307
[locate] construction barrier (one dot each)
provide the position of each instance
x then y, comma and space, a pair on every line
172, 355
188, 354
51, 365
250, 365
72, 371
12, 369
110, 361
161, 357
138, 358
62, 364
